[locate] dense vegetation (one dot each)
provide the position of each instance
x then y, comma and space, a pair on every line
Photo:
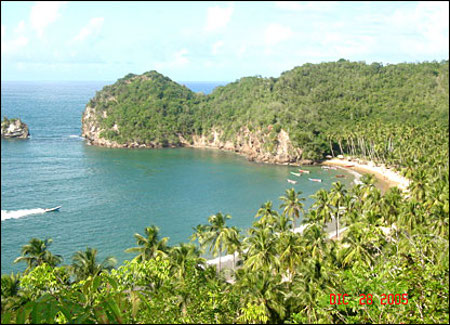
307, 101
396, 243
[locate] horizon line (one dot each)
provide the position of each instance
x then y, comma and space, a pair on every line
105, 81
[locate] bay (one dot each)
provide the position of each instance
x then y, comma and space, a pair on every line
107, 195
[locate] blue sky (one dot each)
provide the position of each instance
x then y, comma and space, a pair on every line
212, 41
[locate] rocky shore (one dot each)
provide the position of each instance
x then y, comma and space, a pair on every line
14, 128
254, 145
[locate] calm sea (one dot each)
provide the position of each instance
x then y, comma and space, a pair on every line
107, 195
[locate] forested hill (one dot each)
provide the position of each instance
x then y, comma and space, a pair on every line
308, 102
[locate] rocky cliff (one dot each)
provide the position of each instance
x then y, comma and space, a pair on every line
14, 128
260, 146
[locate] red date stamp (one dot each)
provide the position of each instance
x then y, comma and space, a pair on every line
385, 299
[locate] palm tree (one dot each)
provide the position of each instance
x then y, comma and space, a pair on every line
199, 233
10, 290
215, 234
292, 204
233, 243
418, 186
323, 205
315, 242
357, 250
264, 290
149, 246
36, 253
261, 250
290, 250
85, 264
266, 213
282, 223
338, 197
180, 256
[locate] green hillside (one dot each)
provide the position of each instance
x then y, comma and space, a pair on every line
308, 102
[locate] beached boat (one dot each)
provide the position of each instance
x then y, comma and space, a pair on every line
326, 167
315, 179
296, 174
333, 168
340, 176
291, 181
348, 166
303, 171
53, 209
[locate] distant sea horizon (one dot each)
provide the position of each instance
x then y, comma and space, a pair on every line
196, 86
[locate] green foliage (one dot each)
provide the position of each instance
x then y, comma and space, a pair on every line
309, 102
394, 243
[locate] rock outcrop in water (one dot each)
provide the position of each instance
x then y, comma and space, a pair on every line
14, 128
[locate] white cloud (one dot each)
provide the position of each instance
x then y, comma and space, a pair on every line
240, 53
276, 33
288, 5
216, 47
44, 13
208, 64
218, 17
425, 28
306, 5
13, 46
178, 60
92, 28
20, 28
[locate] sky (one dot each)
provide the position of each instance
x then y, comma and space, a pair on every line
212, 41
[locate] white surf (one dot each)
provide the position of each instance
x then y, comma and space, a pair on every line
16, 214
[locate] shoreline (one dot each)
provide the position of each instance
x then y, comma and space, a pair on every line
383, 174
387, 176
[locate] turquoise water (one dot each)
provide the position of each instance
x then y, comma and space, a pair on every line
107, 195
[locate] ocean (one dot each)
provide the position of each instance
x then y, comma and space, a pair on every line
107, 195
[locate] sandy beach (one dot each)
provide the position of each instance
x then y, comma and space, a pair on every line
389, 176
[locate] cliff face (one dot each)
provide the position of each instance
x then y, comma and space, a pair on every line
14, 128
90, 129
254, 145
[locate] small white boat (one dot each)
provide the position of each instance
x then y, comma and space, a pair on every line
315, 179
291, 181
333, 168
53, 209
303, 171
326, 167
296, 174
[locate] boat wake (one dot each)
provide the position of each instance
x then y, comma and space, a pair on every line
16, 214
75, 136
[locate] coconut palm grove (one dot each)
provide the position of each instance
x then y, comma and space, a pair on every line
390, 265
